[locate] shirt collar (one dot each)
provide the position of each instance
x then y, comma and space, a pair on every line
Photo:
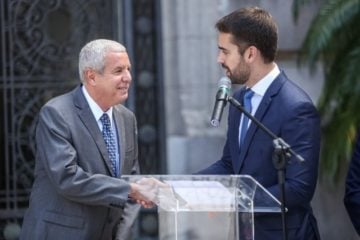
95, 109
260, 87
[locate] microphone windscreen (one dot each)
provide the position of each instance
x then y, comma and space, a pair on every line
224, 82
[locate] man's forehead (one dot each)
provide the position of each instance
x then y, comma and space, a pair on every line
118, 57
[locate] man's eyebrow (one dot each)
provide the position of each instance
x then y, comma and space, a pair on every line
117, 68
123, 66
222, 48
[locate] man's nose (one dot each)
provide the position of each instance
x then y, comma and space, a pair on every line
220, 58
127, 76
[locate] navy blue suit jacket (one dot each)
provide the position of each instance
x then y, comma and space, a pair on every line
289, 113
352, 187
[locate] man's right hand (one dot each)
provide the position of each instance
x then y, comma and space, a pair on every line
142, 194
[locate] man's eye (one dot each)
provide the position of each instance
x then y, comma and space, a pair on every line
119, 70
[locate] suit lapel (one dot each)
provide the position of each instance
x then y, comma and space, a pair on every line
234, 130
90, 123
120, 129
265, 103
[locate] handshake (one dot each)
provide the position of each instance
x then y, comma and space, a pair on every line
174, 194
150, 191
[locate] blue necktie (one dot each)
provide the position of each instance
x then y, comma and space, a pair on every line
109, 141
245, 122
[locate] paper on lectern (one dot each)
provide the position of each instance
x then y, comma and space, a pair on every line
199, 196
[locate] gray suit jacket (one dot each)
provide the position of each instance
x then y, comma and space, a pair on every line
74, 195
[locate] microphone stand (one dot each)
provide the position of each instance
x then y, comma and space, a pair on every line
282, 152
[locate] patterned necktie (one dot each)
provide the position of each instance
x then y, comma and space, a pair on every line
109, 141
245, 122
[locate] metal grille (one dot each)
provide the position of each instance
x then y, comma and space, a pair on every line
40, 42
149, 85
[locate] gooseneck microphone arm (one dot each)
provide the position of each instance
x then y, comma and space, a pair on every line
282, 152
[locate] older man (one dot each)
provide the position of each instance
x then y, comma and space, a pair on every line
85, 140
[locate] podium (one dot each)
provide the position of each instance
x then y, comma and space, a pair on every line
206, 206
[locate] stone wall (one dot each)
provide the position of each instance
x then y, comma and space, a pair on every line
191, 76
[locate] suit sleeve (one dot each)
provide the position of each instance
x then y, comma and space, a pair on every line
352, 187
301, 130
131, 208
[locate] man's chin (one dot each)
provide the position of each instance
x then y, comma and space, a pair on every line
232, 79
121, 99
124, 98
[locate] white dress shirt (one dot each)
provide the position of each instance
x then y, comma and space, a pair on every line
98, 112
259, 90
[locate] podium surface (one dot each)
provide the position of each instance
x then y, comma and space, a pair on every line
206, 206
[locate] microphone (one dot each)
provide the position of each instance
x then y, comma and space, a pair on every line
221, 100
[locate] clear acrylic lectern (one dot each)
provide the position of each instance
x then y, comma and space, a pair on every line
206, 206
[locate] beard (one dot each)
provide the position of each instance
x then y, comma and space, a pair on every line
240, 74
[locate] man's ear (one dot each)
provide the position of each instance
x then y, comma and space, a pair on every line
90, 76
251, 53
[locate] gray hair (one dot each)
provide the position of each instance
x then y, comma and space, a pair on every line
92, 55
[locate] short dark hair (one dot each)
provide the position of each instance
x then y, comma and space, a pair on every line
251, 26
